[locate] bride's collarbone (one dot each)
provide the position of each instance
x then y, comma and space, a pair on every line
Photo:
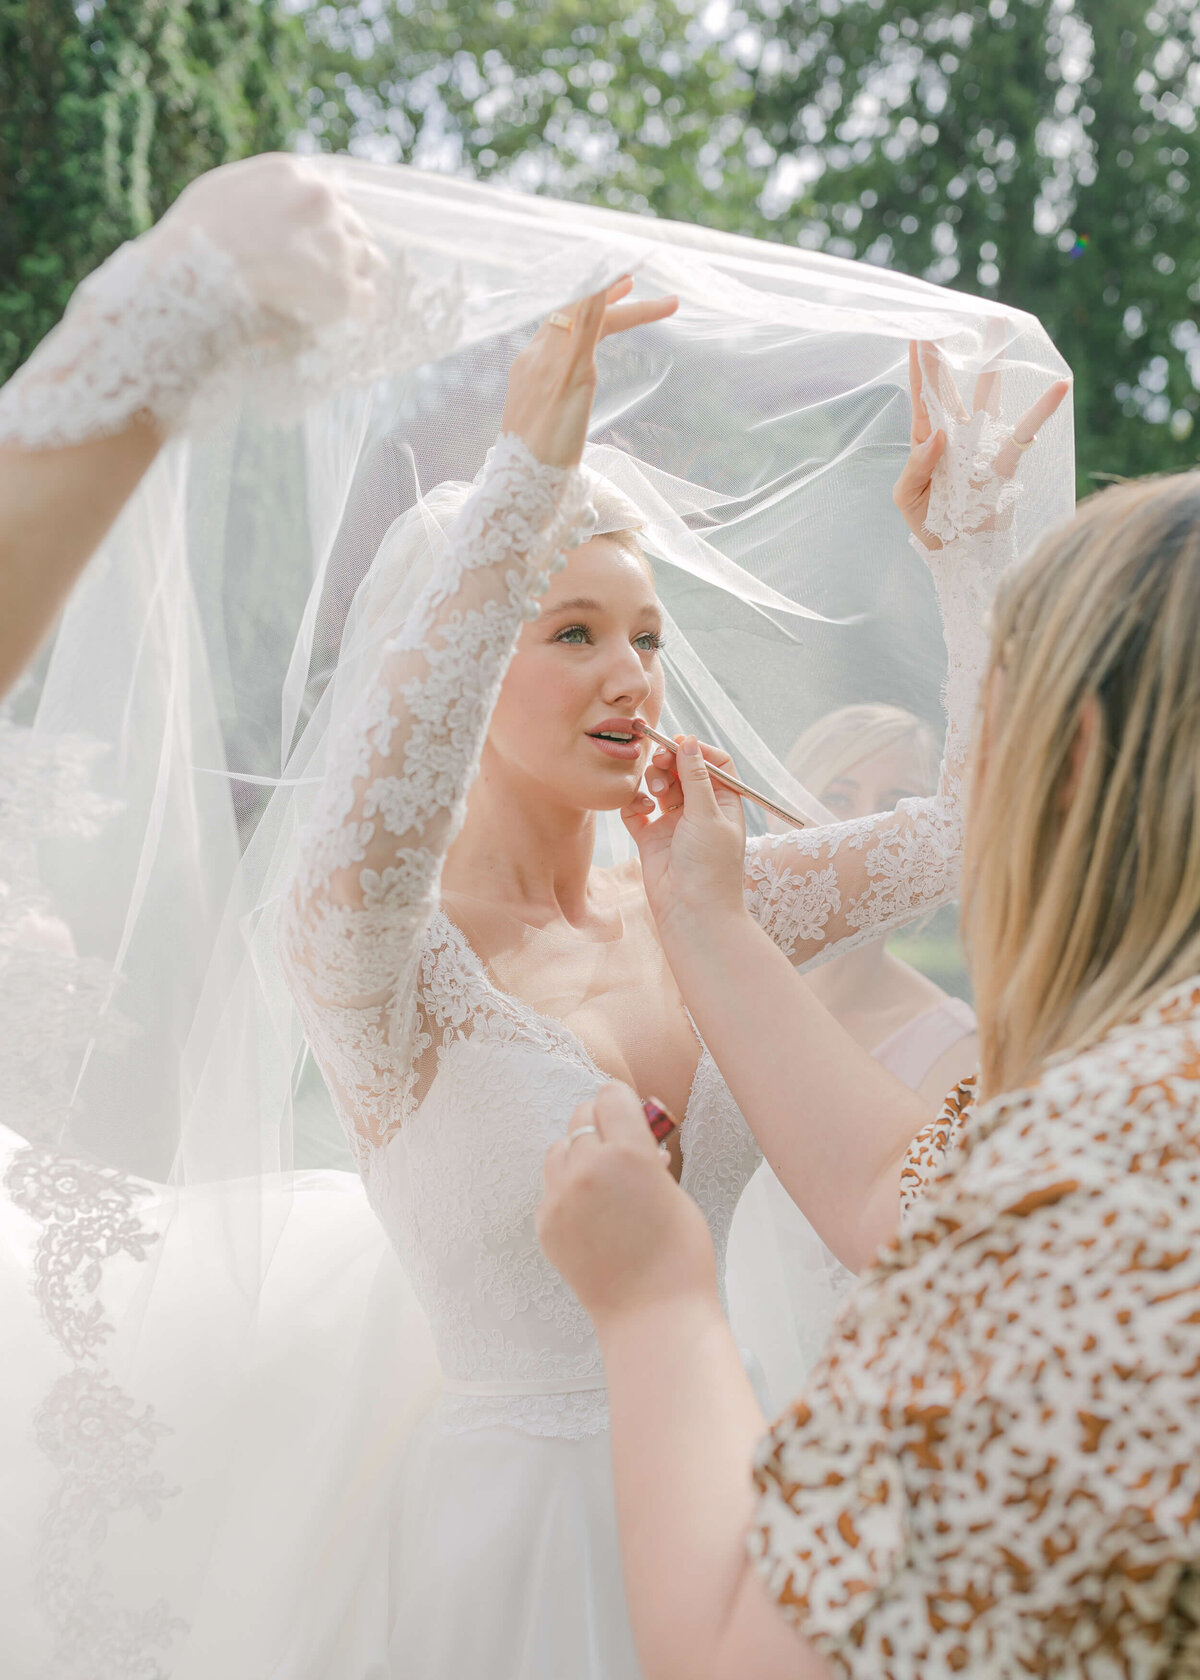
616, 994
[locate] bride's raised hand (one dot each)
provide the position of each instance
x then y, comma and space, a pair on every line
693, 852
929, 377
553, 380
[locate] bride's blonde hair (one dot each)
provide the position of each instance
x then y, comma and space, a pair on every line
1082, 896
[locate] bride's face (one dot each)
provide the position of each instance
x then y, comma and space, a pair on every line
581, 673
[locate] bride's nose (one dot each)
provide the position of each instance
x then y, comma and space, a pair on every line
626, 680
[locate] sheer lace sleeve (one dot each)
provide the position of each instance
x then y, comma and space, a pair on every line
140, 336
395, 792
169, 328
818, 889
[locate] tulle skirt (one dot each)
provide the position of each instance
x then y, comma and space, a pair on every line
504, 1561
289, 1506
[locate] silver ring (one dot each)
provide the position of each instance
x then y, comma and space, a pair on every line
579, 1131
558, 319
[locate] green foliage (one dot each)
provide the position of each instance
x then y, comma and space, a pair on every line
107, 111
621, 102
1039, 151
1042, 152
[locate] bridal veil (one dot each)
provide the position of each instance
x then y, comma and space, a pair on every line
210, 1348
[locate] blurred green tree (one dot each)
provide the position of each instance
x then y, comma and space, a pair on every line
1044, 152
1038, 151
107, 111
627, 103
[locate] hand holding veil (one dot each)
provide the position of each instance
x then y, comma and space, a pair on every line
253, 257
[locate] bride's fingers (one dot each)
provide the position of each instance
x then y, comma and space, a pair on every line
587, 324
989, 384
919, 429
935, 368
911, 490
987, 391
1028, 427
620, 317
1035, 417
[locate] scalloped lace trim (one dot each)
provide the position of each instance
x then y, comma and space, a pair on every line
100, 1442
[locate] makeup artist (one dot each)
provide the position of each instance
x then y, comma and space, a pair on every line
995, 1468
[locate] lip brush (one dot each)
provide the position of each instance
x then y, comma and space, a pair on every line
641, 727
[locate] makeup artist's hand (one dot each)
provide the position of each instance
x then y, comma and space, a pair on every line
613, 1221
693, 853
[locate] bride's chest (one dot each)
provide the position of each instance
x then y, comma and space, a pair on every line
463, 1177
459, 1185
621, 1003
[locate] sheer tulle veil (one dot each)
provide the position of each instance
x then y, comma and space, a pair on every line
211, 1345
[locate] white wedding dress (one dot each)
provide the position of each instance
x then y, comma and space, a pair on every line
503, 1561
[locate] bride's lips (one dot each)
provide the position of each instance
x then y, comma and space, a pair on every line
628, 750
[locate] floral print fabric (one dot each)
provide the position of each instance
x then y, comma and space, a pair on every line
996, 1467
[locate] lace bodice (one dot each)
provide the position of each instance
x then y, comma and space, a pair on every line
451, 1090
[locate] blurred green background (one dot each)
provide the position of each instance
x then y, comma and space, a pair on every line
1038, 151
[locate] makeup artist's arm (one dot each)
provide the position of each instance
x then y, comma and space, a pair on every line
685, 1423
833, 1124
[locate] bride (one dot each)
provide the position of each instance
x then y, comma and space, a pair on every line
466, 976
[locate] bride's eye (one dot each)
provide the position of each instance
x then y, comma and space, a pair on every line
649, 642
574, 635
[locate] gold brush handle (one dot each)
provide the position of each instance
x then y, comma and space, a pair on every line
780, 811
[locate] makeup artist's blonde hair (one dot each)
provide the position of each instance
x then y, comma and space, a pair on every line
1082, 898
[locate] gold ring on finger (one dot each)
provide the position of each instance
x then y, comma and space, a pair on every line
1028, 444
558, 319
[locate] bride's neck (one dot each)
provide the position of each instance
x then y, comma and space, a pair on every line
521, 850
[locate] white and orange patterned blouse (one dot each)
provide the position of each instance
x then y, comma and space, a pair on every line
996, 1466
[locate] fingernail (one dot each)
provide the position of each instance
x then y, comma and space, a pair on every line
659, 1119
691, 747
657, 784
